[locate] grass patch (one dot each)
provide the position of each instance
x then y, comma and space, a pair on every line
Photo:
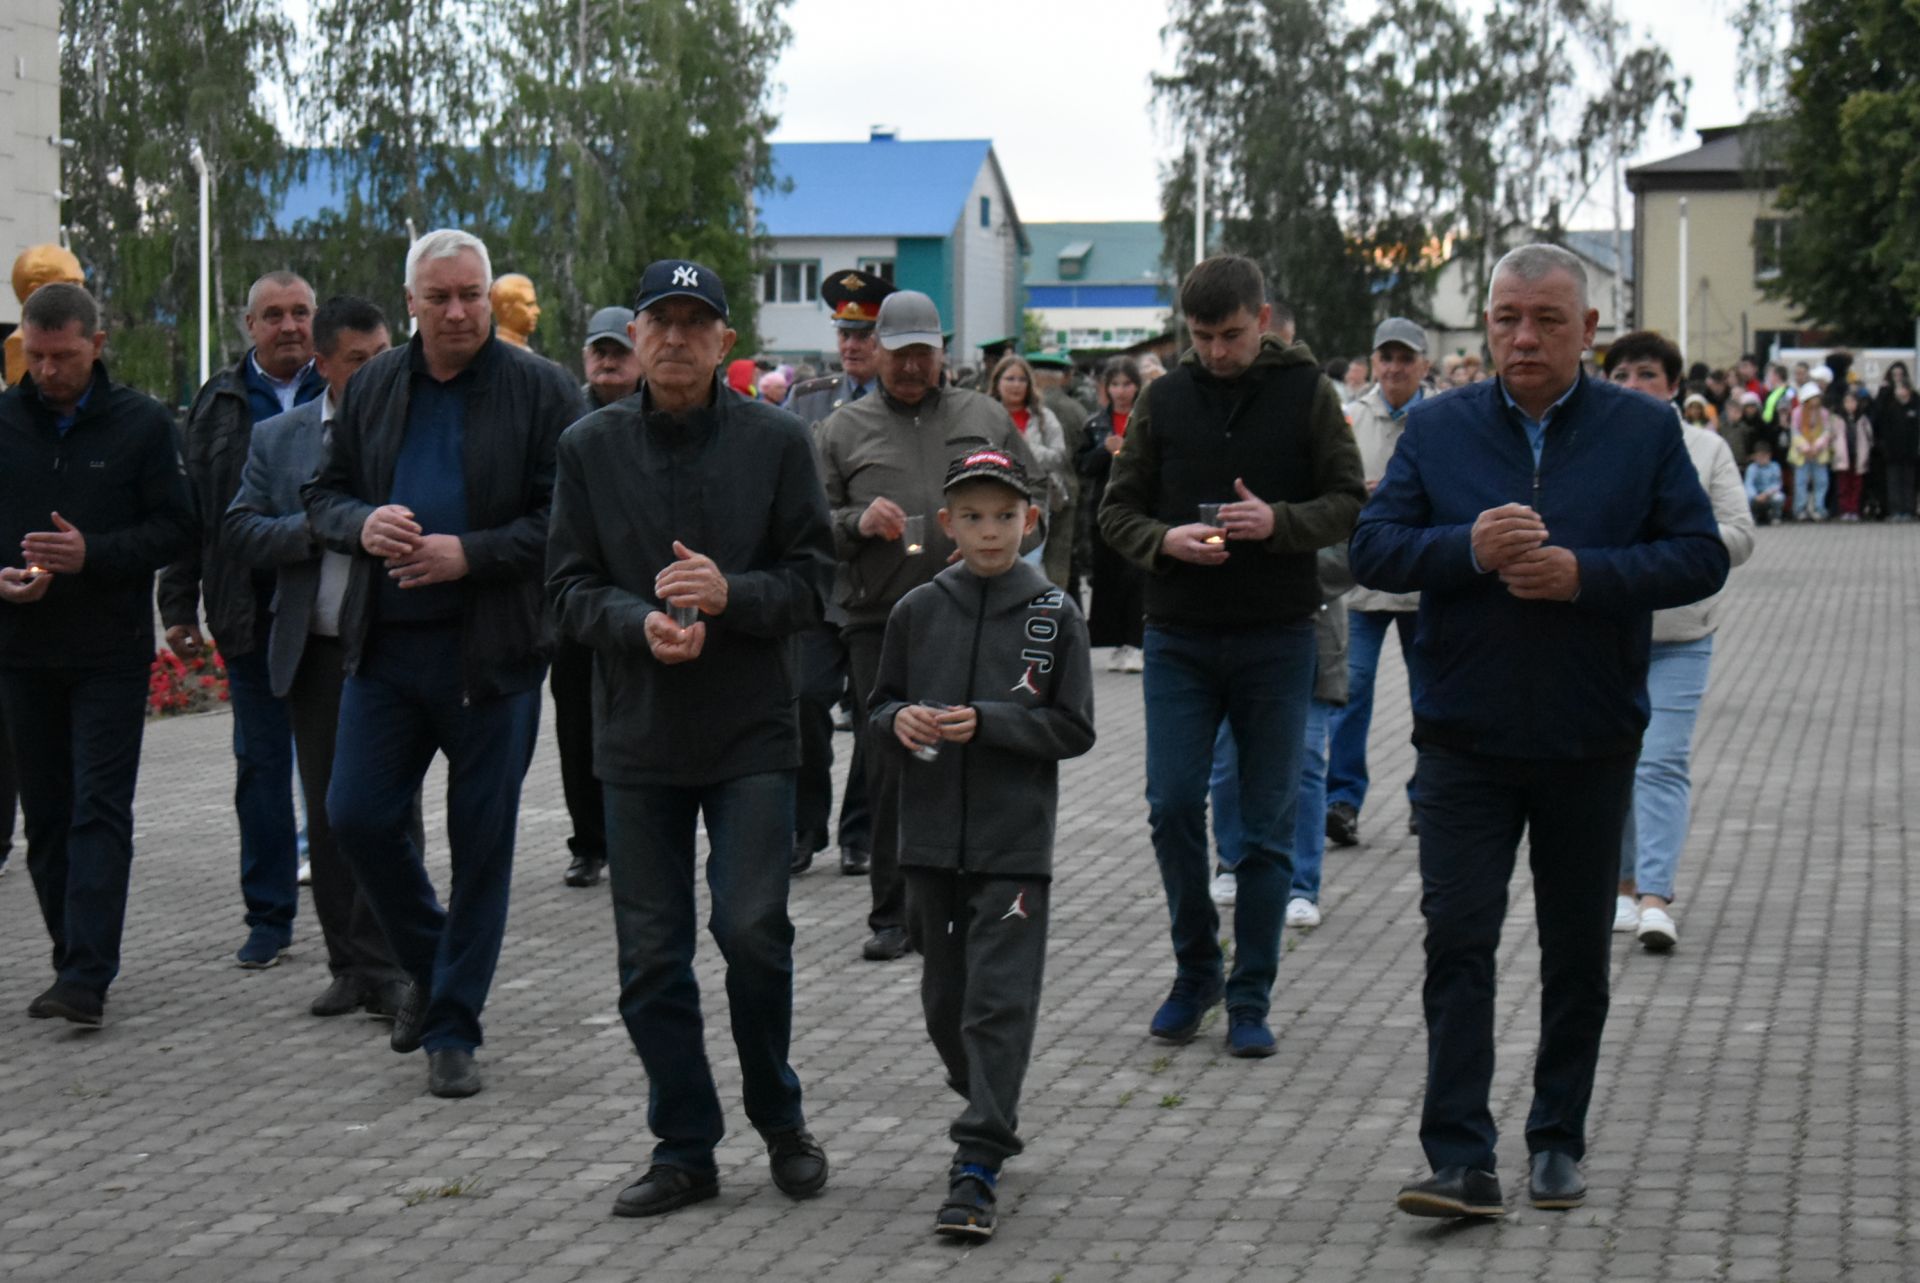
1172, 1100
459, 1187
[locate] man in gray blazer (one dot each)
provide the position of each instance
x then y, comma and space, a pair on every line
266, 528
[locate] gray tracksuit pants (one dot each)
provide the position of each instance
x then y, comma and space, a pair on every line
984, 941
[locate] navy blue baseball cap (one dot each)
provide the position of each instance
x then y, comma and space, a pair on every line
681, 278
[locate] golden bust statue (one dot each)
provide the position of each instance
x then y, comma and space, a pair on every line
37, 265
515, 310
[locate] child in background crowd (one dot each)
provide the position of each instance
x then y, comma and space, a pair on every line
1764, 492
1852, 449
1811, 454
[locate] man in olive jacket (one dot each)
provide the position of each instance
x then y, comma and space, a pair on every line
437, 482
1247, 423
884, 460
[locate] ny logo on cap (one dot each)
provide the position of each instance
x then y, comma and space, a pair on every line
686, 276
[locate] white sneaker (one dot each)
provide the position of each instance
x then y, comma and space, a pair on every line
1657, 931
306, 873
1302, 912
1117, 662
1626, 914
1135, 661
1225, 887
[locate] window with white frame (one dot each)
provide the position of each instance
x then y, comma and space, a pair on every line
793, 281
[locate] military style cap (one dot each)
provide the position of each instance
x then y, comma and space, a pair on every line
681, 278
855, 299
1057, 358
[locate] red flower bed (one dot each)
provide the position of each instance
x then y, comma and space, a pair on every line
177, 685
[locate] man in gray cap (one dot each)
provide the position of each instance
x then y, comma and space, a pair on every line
1400, 368
883, 460
612, 364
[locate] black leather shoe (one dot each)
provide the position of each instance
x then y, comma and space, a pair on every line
1343, 824
69, 1001
410, 1018
1453, 1192
341, 997
451, 1073
383, 1000
854, 862
799, 1164
663, 1189
1556, 1183
885, 945
803, 849
585, 871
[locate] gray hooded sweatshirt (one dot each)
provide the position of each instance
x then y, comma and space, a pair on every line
1014, 648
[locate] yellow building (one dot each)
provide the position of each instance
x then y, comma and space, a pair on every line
1717, 199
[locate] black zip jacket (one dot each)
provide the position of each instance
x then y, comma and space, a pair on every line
1013, 648
116, 477
219, 430
516, 409
734, 482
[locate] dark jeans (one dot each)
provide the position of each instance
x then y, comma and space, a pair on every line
76, 746
356, 949
9, 792
651, 848
1350, 724
1899, 488
821, 659
572, 683
405, 702
1472, 811
1260, 680
883, 788
263, 798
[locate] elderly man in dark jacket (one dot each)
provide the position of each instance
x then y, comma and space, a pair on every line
91, 494
274, 376
1543, 516
438, 483
689, 546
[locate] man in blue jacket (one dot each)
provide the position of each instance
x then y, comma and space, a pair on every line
1544, 516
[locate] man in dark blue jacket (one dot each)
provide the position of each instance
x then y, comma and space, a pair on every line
92, 502
1544, 516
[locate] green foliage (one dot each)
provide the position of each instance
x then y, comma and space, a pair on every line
141, 81
1351, 159
1849, 144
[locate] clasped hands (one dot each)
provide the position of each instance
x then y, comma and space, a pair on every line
414, 560
692, 580
916, 726
1511, 541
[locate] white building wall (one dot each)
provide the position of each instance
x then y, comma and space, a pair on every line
805, 328
29, 117
986, 263
1084, 326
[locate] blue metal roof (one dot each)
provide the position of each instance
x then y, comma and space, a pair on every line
882, 187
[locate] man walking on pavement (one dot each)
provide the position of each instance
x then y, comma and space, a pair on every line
267, 529
689, 547
92, 497
884, 462
1542, 516
1399, 372
275, 375
438, 483
1248, 426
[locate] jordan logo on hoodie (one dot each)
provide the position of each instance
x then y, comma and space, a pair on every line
1018, 909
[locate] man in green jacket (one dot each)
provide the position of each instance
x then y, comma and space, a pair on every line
1238, 466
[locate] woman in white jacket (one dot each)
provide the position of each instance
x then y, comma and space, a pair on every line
1656, 829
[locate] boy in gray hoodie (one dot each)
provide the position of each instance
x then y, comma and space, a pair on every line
984, 680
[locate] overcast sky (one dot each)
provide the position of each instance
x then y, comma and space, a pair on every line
1061, 87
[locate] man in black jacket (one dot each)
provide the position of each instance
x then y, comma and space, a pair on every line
275, 375
438, 482
91, 493
690, 544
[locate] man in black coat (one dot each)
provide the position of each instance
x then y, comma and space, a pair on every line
92, 494
437, 483
689, 546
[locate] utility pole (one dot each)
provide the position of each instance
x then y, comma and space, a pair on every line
199, 160
1199, 199
1684, 291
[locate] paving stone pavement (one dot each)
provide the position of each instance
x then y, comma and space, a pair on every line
1753, 1120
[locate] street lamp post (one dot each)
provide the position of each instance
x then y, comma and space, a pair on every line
199, 159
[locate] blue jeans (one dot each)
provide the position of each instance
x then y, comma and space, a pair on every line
405, 702
1309, 830
650, 858
1656, 829
1261, 681
1348, 725
1810, 491
263, 798
76, 748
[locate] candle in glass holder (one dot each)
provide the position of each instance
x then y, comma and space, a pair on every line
1210, 516
684, 616
915, 536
